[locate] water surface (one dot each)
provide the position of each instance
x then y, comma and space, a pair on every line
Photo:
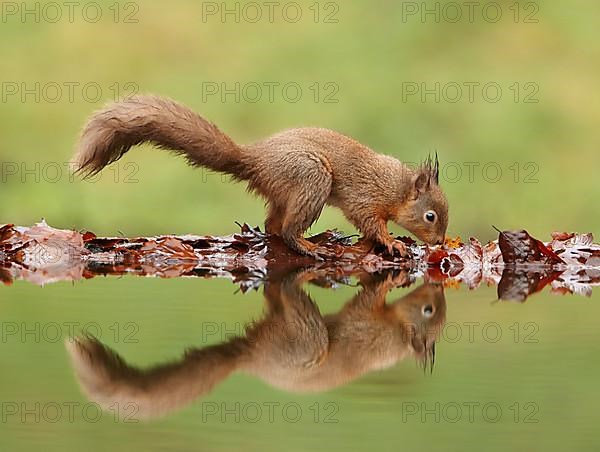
506, 374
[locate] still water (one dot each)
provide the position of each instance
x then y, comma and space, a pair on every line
195, 364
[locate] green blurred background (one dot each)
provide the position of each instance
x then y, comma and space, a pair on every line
367, 55
364, 61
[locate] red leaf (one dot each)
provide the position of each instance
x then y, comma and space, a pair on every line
518, 247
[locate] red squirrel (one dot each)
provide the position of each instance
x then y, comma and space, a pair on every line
297, 171
293, 347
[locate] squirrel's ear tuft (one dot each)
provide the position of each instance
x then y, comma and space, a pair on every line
431, 167
436, 169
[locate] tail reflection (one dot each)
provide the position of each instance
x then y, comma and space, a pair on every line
293, 347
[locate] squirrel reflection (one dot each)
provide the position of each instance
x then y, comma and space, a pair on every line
293, 347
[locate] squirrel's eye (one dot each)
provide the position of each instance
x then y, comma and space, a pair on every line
427, 311
430, 216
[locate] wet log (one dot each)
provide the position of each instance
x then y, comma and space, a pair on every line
517, 263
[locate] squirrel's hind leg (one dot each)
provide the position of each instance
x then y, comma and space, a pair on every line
304, 205
274, 221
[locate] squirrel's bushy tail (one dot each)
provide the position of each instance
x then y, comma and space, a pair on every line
107, 379
112, 131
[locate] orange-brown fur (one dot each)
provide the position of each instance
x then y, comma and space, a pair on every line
297, 171
293, 347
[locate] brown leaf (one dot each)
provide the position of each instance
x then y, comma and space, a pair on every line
518, 247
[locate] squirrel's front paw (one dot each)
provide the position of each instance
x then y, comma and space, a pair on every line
397, 246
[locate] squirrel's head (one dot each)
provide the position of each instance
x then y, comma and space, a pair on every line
422, 314
425, 211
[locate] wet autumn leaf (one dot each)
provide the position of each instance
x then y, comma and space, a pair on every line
518, 247
453, 243
518, 263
